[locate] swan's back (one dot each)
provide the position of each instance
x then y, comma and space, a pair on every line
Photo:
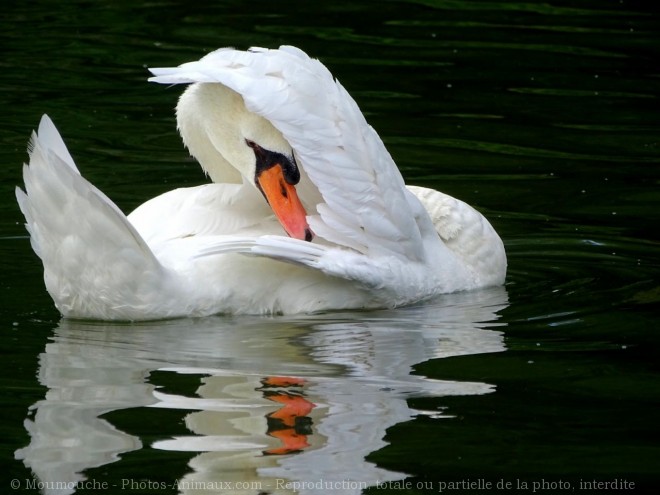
466, 232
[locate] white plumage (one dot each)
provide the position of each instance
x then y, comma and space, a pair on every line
219, 248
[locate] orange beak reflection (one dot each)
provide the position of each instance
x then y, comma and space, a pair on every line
290, 424
283, 199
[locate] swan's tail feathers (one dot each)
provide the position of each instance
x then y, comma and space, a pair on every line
95, 262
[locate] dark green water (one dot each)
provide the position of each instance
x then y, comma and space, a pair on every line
543, 115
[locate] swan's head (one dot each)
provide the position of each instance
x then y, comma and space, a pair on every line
235, 145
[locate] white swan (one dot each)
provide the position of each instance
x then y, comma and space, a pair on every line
289, 152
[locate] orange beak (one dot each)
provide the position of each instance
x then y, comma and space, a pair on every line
283, 199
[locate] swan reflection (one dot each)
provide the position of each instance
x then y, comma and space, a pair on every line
306, 398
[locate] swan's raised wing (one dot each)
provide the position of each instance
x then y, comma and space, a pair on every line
89, 249
365, 204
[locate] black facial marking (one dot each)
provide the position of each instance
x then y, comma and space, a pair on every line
267, 159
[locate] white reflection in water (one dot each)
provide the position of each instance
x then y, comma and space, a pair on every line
299, 399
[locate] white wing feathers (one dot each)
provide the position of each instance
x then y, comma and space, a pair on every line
74, 226
365, 207
273, 246
344, 264
48, 137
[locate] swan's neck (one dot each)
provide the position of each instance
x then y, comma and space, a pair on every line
202, 116
215, 125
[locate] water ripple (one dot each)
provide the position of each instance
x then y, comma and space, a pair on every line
516, 150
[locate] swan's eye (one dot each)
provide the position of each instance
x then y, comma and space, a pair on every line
265, 159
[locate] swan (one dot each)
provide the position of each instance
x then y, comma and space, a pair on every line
306, 211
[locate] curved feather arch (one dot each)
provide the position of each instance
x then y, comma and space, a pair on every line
365, 204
